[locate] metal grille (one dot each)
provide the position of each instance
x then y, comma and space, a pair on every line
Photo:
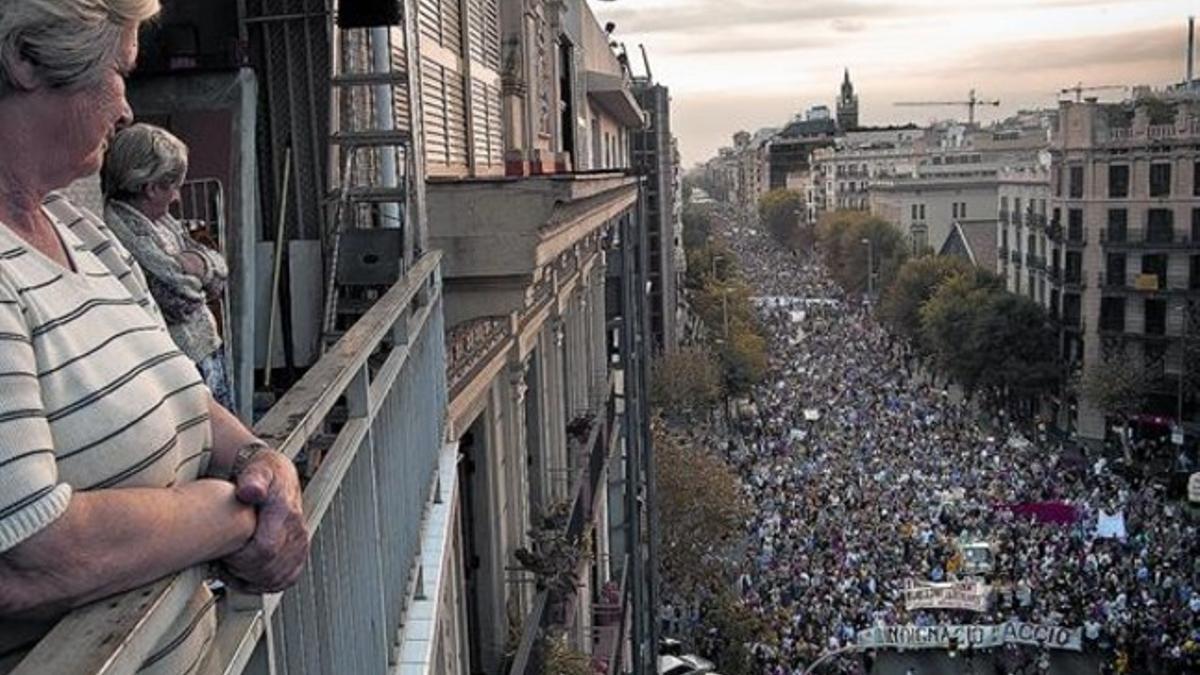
289, 48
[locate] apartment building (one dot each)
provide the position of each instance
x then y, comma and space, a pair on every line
462, 361
1028, 259
1125, 209
946, 188
655, 158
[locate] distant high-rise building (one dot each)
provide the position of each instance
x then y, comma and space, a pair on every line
847, 105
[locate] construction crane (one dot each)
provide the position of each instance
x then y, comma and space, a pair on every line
1078, 90
972, 102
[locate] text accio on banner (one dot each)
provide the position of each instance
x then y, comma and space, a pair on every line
972, 636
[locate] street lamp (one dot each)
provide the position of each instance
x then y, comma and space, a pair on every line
870, 266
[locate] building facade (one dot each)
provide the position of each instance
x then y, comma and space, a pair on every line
1030, 262
654, 158
1125, 181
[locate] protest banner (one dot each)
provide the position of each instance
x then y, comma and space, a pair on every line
971, 636
969, 596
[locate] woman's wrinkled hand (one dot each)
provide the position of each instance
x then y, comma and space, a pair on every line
275, 556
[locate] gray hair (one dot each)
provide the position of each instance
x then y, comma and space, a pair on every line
70, 43
142, 155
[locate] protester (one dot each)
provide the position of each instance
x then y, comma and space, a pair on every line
895, 475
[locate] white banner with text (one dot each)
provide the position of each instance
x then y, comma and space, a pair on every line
970, 596
973, 636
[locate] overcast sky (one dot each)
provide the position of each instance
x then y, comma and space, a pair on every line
745, 64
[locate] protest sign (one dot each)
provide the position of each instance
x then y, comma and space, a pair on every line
972, 636
964, 595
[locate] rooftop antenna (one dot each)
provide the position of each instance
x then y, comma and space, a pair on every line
1191, 53
646, 60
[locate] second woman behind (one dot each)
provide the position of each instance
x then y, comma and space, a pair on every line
144, 169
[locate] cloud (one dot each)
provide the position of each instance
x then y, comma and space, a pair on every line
708, 13
849, 25
735, 42
1155, 45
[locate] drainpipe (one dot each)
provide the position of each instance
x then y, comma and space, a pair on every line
385, 120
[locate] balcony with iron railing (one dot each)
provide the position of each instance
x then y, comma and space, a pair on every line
375, 500
1185, 131
503, 233
553, 607
1145, 239
1148, 284
1073, 279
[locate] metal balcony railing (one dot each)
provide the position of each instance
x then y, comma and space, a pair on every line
1144, 239
609, 621
528, 659
364, 505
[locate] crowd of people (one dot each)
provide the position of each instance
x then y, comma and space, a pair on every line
866, 480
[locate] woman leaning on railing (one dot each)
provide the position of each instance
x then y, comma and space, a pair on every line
116, 466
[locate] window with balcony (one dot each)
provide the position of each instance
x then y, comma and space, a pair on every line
1156, 316
1156, 264
1075, 224
1072, 309
1160, 226
1118, 181
1114, 269
1073, 274
1112, 314
1075, 183
1118, 225
1195, 226
1053, 302
1056, 179
1160, 180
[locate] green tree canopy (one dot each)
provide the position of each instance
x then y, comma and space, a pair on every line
916, 282
1117, 386
702, 510
841, 235
685, 381
697, 225
984, 337
780, 212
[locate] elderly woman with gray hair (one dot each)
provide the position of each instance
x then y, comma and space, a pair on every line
143, 172
117, 467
